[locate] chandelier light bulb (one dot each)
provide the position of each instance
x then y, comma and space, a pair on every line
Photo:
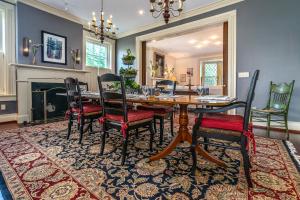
105, 29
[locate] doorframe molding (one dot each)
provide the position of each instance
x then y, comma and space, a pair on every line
230, 17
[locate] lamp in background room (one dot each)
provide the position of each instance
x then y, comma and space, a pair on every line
26, 43
190, 73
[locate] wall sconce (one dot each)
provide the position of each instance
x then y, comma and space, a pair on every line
26, 43
77, 56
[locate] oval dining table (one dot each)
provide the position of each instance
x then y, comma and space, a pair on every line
183, 134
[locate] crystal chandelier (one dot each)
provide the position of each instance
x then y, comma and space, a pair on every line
103, 30
166, 8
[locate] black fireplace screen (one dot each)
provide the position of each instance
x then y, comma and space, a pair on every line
46, 105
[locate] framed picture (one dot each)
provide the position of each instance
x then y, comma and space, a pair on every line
182, 78
159, 65
190, 72
54, 48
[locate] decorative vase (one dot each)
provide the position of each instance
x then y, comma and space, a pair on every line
34, 60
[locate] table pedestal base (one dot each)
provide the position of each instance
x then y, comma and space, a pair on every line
182, 136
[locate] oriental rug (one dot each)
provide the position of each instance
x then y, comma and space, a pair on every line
40, 163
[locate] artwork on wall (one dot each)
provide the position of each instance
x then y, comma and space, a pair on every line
182, 78
54, 48
190, 72
159, 65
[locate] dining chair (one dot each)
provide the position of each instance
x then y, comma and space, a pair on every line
117, 115
163, 112
78, 109
212, 123
277, 108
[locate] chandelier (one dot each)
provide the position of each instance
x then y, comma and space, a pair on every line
166, 8
103, 30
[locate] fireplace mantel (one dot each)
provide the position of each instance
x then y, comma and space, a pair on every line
27, 74
40, 67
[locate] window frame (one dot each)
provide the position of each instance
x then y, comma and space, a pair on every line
2, 18
109, 53
202, 66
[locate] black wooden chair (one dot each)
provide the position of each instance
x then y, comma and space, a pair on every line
118, 116
235, 128
163, 112
78, 109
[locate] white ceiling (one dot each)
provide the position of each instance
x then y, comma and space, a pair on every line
205, 42
125, 12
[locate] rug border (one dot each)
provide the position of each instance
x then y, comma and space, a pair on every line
292, 153
7, 192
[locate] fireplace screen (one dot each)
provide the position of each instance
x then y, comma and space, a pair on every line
46, 105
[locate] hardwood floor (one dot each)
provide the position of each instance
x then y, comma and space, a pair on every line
294, 138
8, 125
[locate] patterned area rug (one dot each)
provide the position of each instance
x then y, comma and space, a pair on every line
39, 163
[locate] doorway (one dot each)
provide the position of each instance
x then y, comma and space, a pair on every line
228, 20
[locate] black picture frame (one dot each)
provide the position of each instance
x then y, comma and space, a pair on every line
63, 39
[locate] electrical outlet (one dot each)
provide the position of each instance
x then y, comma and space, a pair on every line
3, 107
243, 74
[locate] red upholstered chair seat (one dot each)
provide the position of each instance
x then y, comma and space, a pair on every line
88, 108
223, 121
158, 110
132, 115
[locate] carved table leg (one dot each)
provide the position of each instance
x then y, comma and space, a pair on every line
183, 135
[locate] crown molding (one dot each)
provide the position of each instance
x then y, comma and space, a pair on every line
13, 2
63, 14
198, 11
54, 11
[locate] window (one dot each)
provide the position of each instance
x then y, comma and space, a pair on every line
97, 55
211, 73
7, 48
2, 30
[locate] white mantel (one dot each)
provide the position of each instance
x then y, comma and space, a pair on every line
40, 67
26, 74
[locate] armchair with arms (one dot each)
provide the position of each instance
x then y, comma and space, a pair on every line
212, 123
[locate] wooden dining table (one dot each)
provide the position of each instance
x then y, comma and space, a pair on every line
183, 134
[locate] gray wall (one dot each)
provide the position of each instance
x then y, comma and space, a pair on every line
268, 38
11, 107
32, 21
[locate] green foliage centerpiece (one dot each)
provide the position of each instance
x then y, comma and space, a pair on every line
129, 58
129, 75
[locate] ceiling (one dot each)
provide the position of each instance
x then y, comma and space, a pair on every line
205, 42
125, 12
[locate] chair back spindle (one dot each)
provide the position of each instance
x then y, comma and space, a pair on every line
280, 96
73, 93
166, 86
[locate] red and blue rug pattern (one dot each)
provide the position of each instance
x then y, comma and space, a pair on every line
40, 163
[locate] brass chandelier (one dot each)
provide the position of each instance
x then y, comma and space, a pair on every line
103, 30
166, 8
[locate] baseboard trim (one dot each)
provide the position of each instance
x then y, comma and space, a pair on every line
294, 127
8, 118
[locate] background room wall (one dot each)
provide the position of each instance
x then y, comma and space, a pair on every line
192, 62
267, 39
32, 21
169, 61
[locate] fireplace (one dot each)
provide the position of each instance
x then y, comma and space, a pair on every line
46, 105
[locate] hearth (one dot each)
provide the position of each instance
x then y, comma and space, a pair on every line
46, 105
